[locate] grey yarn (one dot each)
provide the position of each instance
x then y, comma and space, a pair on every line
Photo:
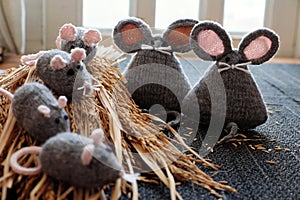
61, 159
244, 103
78, 42
65, 81
154, 75
25, 102
161, 80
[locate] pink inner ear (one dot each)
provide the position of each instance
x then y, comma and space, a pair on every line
78, 54
87, 154
57, 62
68, 32
97, 136
62, 102
91, 37
258, 48
45, 110
210, 42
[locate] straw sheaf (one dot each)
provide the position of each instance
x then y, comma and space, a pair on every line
136, 137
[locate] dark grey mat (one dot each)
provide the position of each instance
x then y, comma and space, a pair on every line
246, 169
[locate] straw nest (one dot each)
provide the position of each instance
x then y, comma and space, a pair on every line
137, 138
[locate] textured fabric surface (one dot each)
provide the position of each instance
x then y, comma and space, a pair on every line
246, 169
61, 158
25, 105
64, 81
154, 74
154, 78
243, 106
67, 46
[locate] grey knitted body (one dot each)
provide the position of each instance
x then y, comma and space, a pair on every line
26, 100
61, 158
228, 80
154, 75
244, 103
65, 81
67, 46
156, 78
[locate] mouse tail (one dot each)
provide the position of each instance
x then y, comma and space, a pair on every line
174, 119
233, 129
16, 167
6, 93
31, 59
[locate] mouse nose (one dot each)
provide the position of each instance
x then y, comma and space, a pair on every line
79, 66
157, 42
231, 58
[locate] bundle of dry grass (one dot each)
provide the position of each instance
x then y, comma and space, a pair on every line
138, 141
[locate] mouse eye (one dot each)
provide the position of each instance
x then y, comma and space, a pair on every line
56, 120
227, 59
66, 117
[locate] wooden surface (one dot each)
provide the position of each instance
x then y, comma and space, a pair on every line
10, 60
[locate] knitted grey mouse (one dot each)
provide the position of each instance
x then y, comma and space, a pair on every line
64, 73
71, 37
245, 108
38, 111
154, 75
75, 159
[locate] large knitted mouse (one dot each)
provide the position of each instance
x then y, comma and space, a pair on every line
244, 105
154, 75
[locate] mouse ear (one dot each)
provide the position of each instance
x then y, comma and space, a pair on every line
91, 37
45, 110
78, 54
98, 136
259, 46
87, 154
210, 41
57, 62
178, 35
62, 102
130, 34
68, 32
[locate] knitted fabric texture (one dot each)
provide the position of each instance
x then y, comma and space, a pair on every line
61, 158
66, 80
25, 105
154, 75
79, 41
161, 80
244, 103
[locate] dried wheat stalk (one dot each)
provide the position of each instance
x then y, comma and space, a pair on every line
137, 140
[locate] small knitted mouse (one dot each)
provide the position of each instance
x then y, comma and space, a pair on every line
244, 105
38, 111
154, 75
75, 159
71, 37
62, 72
